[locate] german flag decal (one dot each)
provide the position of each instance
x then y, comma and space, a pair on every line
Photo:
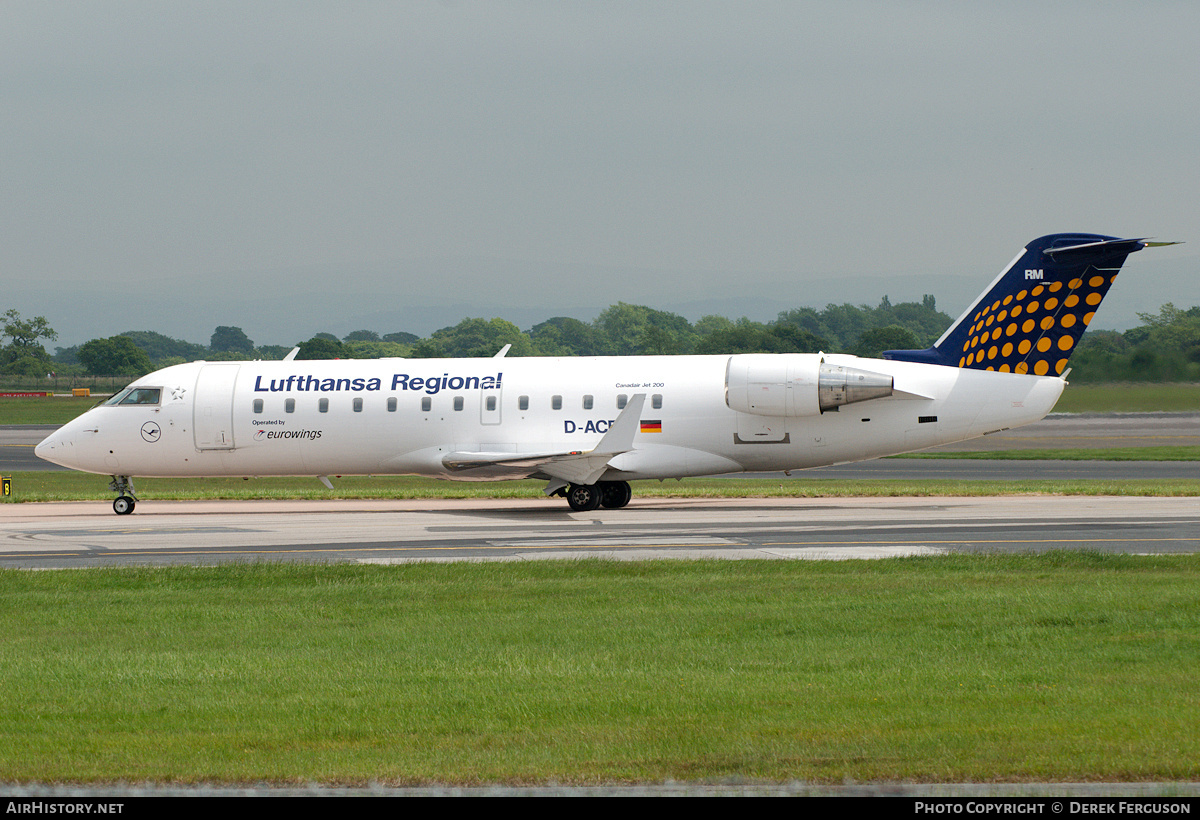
654, 426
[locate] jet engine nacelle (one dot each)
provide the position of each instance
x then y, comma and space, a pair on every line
799, 385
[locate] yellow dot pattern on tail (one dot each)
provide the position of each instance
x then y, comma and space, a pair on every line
1034, 330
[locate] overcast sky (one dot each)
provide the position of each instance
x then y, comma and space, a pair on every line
294, 167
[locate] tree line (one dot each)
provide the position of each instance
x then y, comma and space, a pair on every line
1165, 347
620, 330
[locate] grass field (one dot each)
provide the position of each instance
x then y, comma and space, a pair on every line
1169, 453
54, 410
1129, 398
1057, 667
1062, 667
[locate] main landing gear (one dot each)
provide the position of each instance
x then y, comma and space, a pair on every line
607, 494
122, 485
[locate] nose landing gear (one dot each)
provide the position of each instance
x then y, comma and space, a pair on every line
122, 485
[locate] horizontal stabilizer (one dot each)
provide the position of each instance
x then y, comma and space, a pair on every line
1083, 252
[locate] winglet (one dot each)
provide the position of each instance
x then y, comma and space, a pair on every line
619, 438
503, 352
586, 468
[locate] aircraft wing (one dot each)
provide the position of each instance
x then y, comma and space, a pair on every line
570, 466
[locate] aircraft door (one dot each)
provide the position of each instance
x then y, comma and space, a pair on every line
212, 421
489, 406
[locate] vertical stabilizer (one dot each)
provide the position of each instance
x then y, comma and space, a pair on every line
1031, 317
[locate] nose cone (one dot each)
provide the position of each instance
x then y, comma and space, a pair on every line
78, 445
55, 447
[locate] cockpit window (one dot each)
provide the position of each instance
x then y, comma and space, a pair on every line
143, 395
137, 395
116, 397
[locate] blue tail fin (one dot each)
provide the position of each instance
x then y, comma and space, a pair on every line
1032, 316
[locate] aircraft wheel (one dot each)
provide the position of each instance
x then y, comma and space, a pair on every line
615, 494
123, 505
583, 497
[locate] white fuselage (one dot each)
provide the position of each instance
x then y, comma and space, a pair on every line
393, 416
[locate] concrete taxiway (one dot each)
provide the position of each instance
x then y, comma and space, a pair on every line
87, 534
81, 534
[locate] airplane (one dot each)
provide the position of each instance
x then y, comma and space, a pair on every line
590, 425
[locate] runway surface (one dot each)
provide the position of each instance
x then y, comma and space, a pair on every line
81, 534
1091, 431
87, 534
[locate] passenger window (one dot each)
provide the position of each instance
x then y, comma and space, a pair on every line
358, 404
622, 400
289, 406
258, 406
323, 406
392, 404
523, 402
587, 402
656, 401
458, 402
556, 402
491, 403
426, 403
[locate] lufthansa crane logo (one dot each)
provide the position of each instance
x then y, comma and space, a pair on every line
151, 432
